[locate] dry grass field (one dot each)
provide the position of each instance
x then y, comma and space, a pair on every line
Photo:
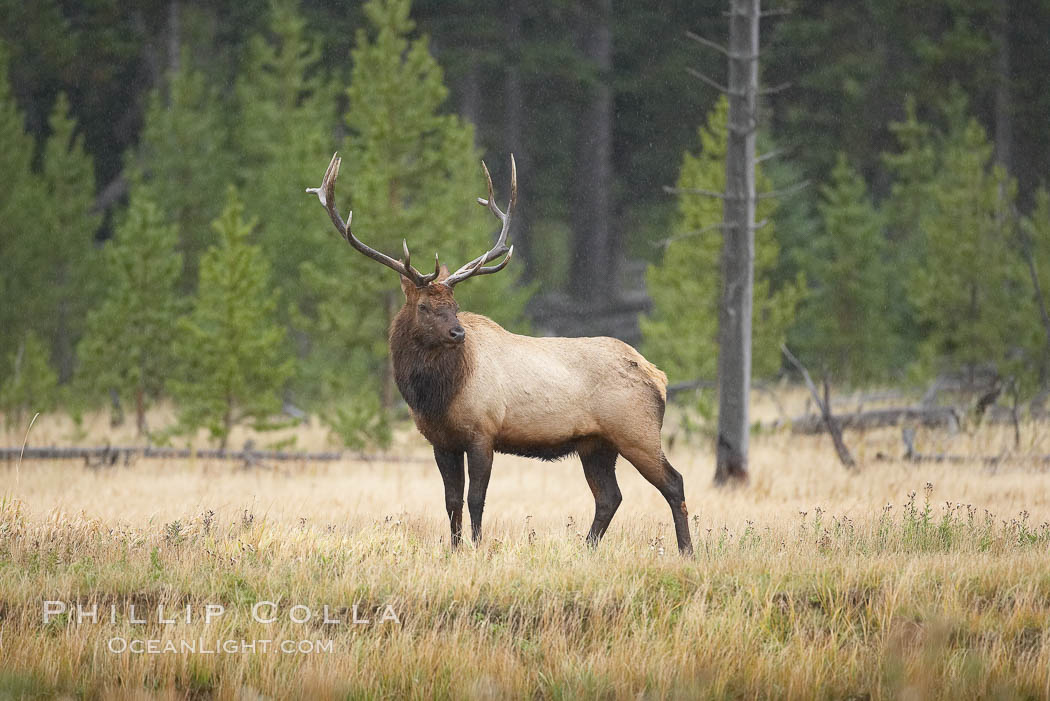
901, 581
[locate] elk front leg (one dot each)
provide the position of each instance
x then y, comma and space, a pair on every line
599, 467
450, 462
479, 468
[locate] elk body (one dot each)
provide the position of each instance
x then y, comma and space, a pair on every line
476, 389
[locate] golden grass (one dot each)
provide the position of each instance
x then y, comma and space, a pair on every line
804, 585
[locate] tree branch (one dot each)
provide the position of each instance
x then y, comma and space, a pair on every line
775, 89
720, 48
710, 81
664, 243
775, 153
707, 42
695, 191
764, 13
790, 190
825, 410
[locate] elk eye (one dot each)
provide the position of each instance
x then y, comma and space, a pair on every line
423, 308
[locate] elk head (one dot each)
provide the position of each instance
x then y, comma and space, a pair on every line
429, 297
432, 312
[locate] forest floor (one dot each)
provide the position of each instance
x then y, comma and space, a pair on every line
900, 581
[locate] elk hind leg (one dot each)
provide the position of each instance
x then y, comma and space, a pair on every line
654, 467
599, 467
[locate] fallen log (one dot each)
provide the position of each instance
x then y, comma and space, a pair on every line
930, 417
111, 455
987, 460
912, 455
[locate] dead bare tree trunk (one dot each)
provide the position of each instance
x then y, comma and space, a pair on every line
470, 99
738, 248
514, 128
1015, 414
174, 38
1003, 99
140, 411
594, 243
116, 415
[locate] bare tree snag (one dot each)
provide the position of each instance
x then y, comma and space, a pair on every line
174, 37
516, 115
595, 246
1004, 135
824, 404
738, 249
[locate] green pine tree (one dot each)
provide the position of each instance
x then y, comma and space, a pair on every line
31, 383
233, 349
913, 168
128, 346
185, 159
66, 269
971, 294
410, 171
20, 211
287, 110
681, 333
848, 328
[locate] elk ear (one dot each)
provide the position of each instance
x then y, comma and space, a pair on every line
442, 273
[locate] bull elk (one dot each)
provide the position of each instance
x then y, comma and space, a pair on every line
474, 388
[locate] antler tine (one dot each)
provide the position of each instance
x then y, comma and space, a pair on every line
500, 248
491, 201
430, 277
422, 279
326, 194
513, 185
494, 268
478, 270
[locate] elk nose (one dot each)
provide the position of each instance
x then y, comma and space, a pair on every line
457, 333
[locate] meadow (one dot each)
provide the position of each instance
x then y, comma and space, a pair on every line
900, 581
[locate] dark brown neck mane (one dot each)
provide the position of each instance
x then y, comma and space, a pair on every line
428, 376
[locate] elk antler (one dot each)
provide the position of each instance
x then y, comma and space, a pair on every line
326, 194
474, 267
